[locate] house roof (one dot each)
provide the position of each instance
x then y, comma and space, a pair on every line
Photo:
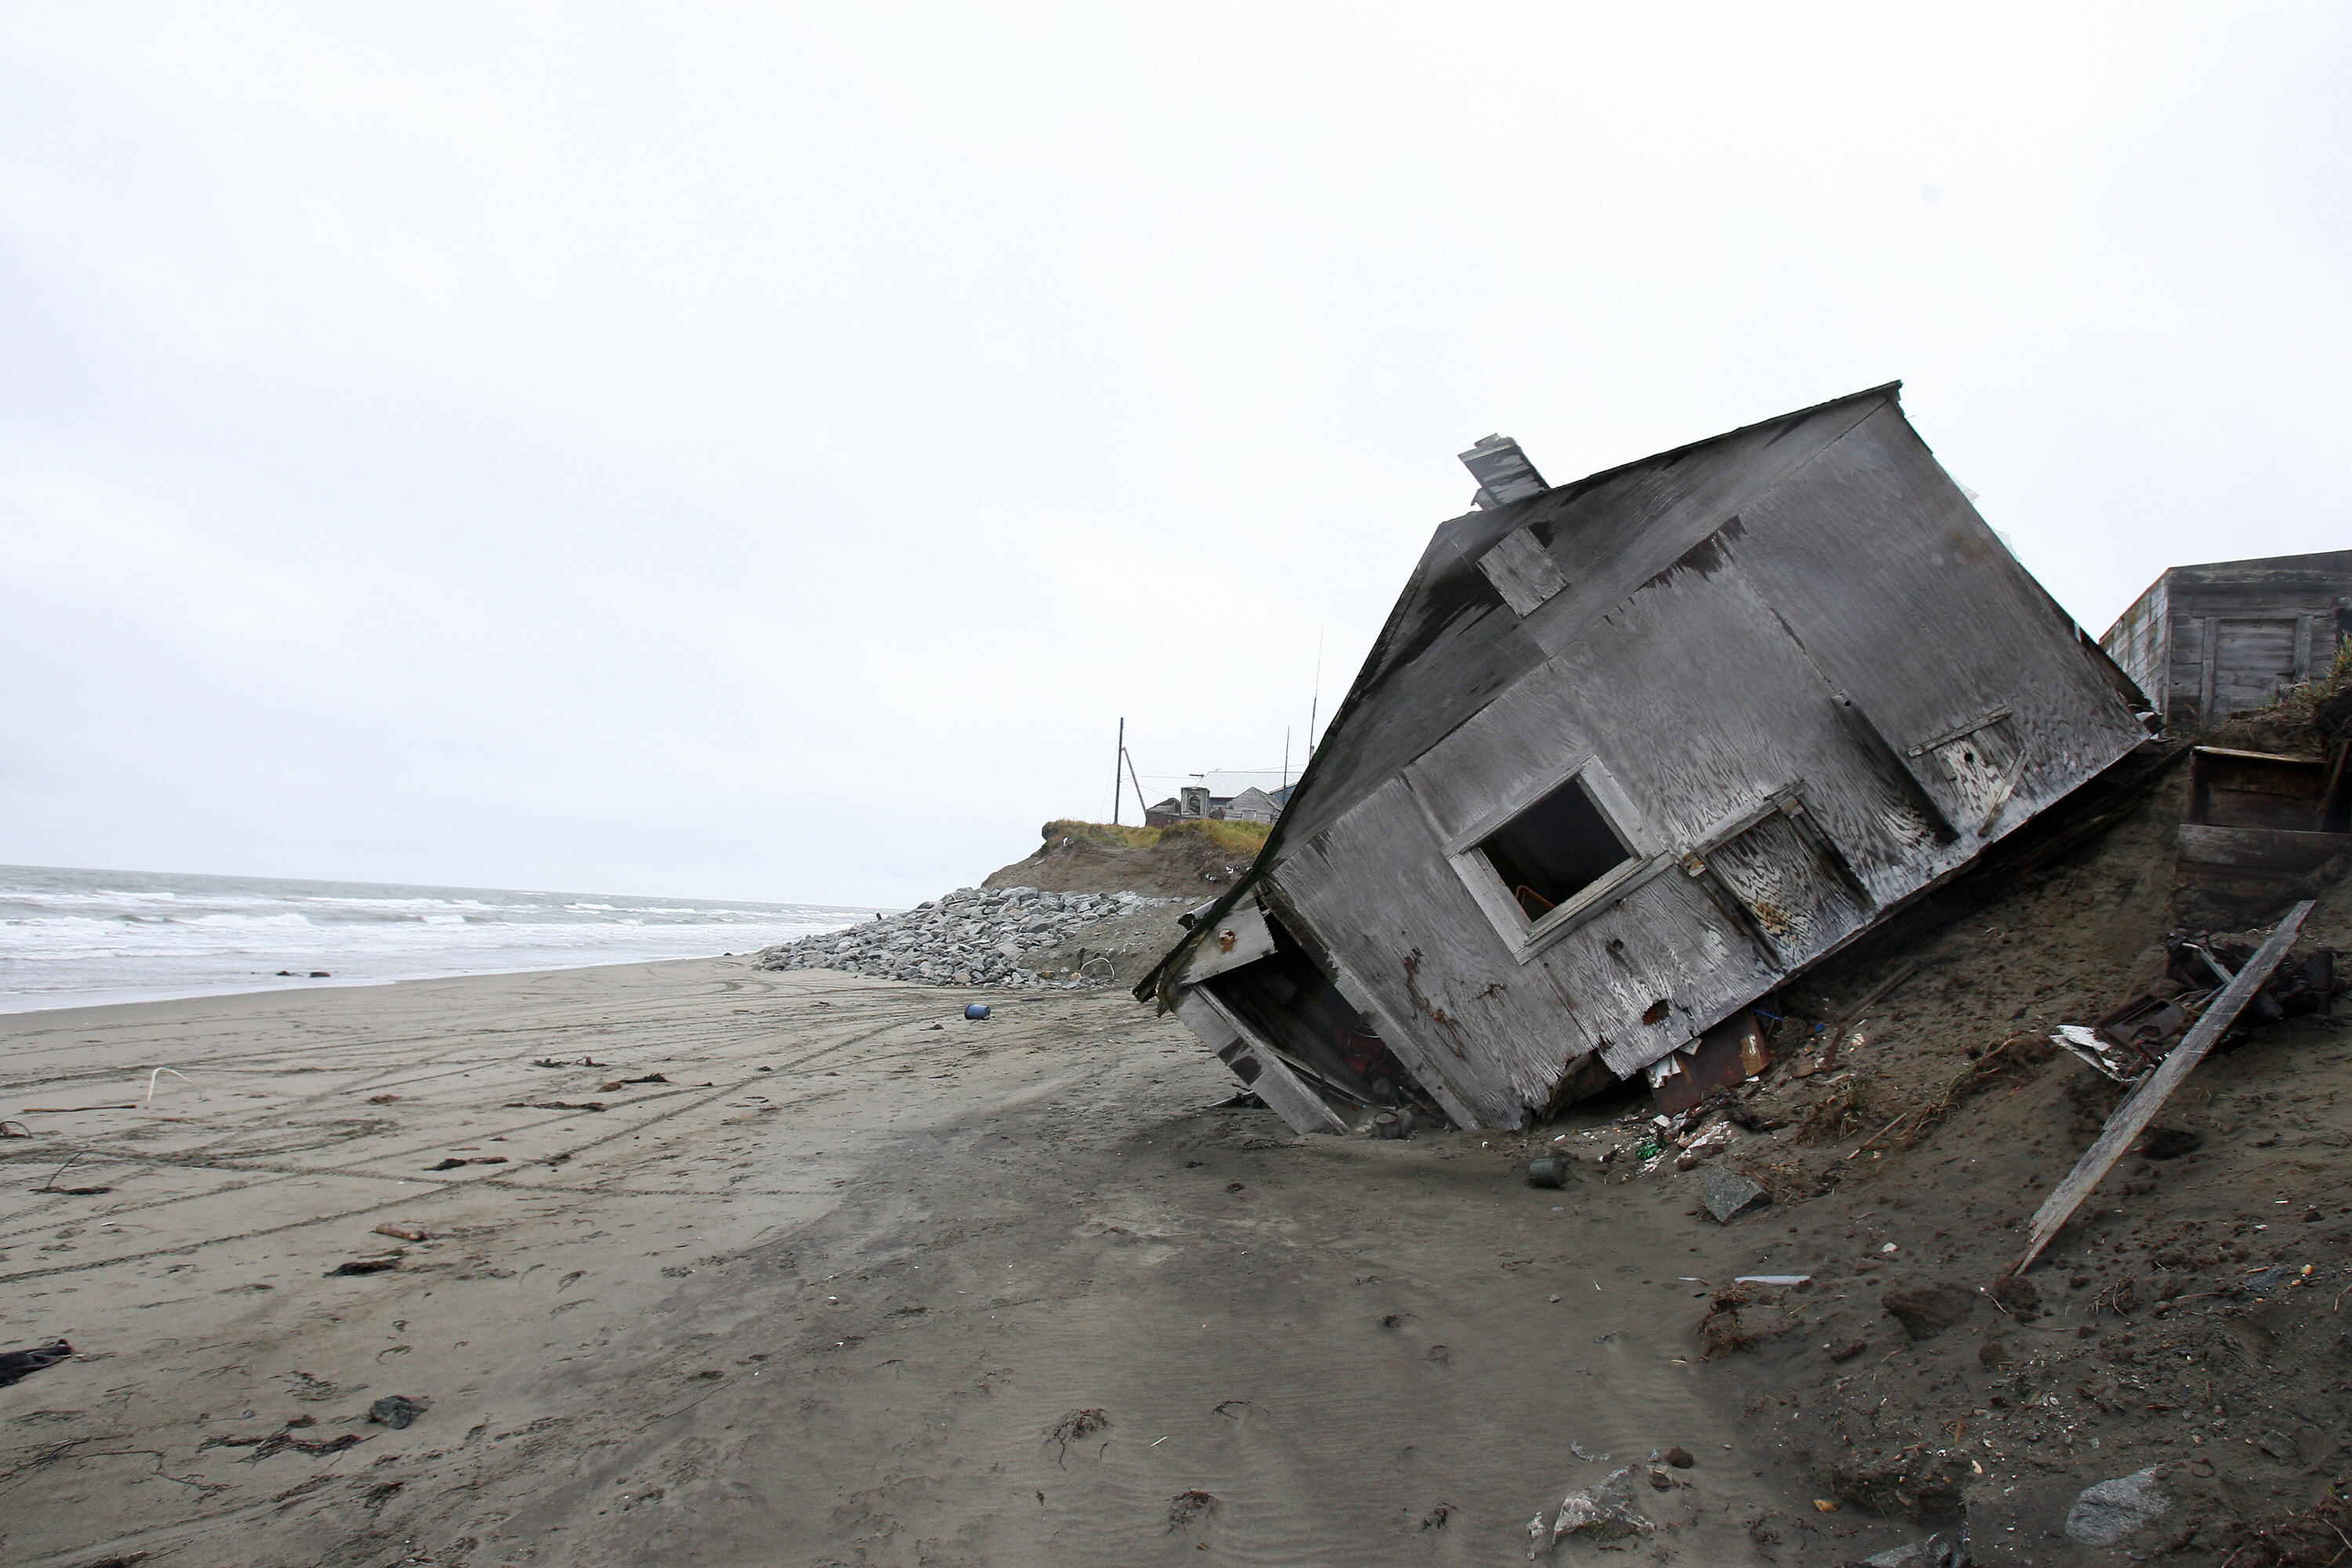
1450, 644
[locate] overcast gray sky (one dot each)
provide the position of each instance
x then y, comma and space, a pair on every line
762, 451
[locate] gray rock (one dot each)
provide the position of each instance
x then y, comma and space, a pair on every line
1945, 1548
1728, 1195
2107, 1513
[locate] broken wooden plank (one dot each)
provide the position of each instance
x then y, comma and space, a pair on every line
1241, 937
2134, 1114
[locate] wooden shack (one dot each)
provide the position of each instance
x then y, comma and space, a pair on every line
1631, 752
2205, 642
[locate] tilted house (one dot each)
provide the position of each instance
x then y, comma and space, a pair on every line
2205, 642
1628, 754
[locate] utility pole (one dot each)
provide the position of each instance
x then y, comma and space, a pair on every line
1285, 757
1117, 779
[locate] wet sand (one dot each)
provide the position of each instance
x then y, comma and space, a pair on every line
816, 1299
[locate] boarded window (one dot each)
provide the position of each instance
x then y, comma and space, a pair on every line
1522, 571
2252, 660
1555, 849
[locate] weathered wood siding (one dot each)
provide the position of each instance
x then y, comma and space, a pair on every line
2139, 642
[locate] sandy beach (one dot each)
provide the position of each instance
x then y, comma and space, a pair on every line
818, 1298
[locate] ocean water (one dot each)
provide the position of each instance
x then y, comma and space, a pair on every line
72, 938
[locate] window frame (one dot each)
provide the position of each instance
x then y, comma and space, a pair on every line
1525, 937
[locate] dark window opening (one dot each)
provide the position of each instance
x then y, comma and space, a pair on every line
1555, 849
1295, 1007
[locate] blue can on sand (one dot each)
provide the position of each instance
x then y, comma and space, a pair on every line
977, 1010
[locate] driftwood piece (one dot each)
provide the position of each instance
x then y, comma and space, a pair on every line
2134, 1114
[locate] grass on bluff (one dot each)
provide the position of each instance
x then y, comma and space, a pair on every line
1246, 838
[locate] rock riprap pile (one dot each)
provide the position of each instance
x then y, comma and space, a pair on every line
974, 936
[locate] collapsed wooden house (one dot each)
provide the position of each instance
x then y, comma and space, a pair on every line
2224, 637
1629, 754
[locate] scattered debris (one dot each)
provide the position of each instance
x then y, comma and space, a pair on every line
16, 1365
389, 1260
2132, 1116
312, 1390
1680, 1458
1077, 1424
621, 1083
2105, 1513
1726, 1195
397, 1410
1916, 1484
404, 1230
21, 1129
2134, 1036
1603, 1511
176, 1073
1771, 1278
1186, 1507
551, 1062
280, 1441
51, 1184
453, 1161
554, 1105
1738, 1319
1730, 1053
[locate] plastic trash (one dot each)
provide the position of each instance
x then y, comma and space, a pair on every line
978, 1010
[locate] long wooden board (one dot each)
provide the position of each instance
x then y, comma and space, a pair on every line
2134, 1114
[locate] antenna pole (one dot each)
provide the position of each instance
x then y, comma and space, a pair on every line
1285, 757
1117, 781
1315, 703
